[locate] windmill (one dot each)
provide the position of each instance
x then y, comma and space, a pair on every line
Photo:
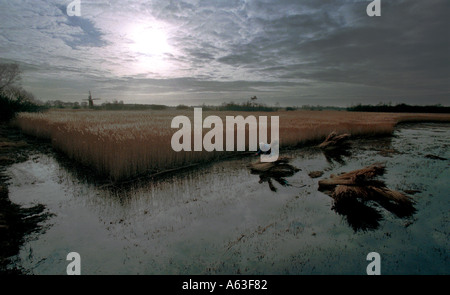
91, 100
252, 101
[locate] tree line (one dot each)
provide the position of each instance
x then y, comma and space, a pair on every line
400, 108
14, 98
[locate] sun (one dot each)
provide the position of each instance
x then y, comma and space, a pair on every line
149, 40
149, 45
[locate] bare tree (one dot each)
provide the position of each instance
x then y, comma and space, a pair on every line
9, 75
13, 98
21, 95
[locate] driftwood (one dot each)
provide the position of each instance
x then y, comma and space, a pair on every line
334, 141
350, 192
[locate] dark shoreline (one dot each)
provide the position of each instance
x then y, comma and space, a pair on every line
15, 222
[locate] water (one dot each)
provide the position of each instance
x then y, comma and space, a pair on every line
221, 219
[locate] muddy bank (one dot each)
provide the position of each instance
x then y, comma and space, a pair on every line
16, 223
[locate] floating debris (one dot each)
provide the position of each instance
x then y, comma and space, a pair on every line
388, 152
277, 171
352, 190
335, 147
315, 174
434, 157
361, 177
411, 191
335, 141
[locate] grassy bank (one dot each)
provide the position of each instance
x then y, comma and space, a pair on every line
121, 145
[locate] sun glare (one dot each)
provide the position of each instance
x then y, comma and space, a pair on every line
149, 44
149, 41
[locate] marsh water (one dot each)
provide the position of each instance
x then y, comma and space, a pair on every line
223, 219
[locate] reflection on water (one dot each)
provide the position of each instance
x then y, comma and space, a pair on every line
354, 193
338, 155
219, 219
363, 214
358, 214
278, 173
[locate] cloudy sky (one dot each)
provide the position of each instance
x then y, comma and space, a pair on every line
291, 52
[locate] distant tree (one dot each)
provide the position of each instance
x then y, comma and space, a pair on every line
13, 98
182, 107
400, 108
9, 76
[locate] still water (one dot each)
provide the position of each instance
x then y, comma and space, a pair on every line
222, 219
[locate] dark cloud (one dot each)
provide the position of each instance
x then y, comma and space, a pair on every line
288, 50
405, 48
90, 36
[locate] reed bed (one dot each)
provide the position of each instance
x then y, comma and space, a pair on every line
124, 144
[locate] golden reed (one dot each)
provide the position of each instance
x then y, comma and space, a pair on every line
124, 144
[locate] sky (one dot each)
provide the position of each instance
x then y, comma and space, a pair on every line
286, 52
